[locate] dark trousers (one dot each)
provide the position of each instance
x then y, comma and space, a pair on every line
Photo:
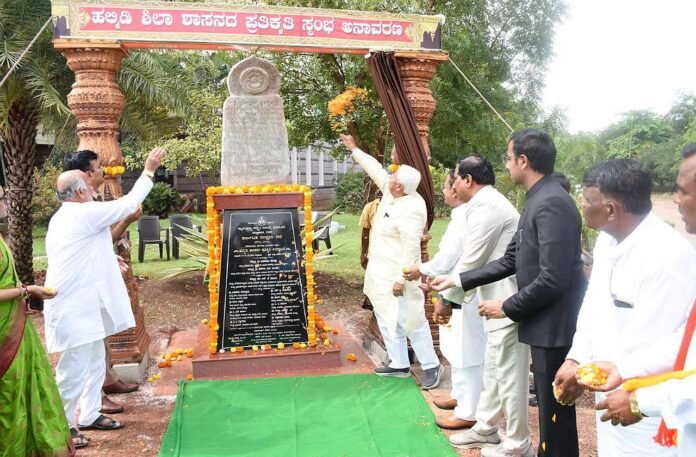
558, 433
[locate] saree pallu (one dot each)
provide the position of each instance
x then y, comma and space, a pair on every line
32, 421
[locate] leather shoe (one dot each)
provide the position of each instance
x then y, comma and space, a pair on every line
453, 423
108, 406
445, 403
120, 387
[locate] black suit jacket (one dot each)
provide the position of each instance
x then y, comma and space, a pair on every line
545, 256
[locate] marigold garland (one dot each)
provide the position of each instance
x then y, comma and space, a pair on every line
114, 170
342, 107
215, 249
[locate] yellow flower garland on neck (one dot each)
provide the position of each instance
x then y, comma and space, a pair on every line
215, 249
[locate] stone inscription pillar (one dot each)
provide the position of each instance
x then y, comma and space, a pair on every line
417, 71
97, 102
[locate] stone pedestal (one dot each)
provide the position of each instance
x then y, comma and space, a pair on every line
97, 102
259, 364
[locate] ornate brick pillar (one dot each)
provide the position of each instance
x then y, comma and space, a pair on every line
417, 70
97, 102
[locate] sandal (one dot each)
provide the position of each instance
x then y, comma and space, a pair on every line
79, 440
102, 423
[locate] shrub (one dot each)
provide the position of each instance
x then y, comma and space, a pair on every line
350, 189
44, 202
439, 175
162, 200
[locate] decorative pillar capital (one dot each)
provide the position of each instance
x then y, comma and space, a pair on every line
96, 100
417, 70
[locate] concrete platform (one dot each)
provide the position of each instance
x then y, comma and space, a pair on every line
133, 372
288, 362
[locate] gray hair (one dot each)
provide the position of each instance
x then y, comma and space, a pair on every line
409, 178
70, 187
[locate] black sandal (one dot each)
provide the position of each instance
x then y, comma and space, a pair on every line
102, 423
79, 440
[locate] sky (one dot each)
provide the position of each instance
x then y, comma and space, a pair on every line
614, 56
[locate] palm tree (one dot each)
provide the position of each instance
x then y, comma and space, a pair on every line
34, 91
35, 94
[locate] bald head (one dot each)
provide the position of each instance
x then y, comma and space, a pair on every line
71, 186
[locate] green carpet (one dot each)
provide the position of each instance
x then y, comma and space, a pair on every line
314, 416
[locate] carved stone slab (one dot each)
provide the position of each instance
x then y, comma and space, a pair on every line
254, 135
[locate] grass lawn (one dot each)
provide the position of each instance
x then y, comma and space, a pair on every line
344, 263
152, 267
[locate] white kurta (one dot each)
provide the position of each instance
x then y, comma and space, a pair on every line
92, 301
638, 298
395, 240
463, 340
490, 222
675, 401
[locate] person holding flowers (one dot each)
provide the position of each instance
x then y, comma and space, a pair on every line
32, 422
89, 162
395, 243
640, 292
93, 302
670, 395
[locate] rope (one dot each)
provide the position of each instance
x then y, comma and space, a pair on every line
48, 21
481, 95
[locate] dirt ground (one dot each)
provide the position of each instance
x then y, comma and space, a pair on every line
179, 304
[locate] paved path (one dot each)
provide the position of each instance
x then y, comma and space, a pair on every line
664, 207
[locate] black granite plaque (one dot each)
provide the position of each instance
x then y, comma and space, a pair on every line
262, 282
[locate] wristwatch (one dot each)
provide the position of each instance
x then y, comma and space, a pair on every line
149, 174
633, 399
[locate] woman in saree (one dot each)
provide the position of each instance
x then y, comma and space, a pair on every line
32, 420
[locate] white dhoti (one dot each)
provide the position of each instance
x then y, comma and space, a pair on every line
80, 376
463, 343
395, 340
633, 441
505, 388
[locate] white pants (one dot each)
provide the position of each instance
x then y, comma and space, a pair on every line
80, 375
635, 440
467, 384
421, 341
505, 388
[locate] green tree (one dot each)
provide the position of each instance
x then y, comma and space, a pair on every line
637, 131
35, 94
35, 91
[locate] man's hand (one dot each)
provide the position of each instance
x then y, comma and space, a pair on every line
122, 265
41, 292
135, 215
153, 160
398, 289
565, 387
411, 273
349, 142
363, 261
618, 408
439, 284
491, 309
441, 313
613, 381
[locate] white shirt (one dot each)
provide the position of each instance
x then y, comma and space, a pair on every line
449, 252
395, 239
92, 301
650, 275
490, 222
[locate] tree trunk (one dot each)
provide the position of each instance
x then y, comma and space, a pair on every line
19, 139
